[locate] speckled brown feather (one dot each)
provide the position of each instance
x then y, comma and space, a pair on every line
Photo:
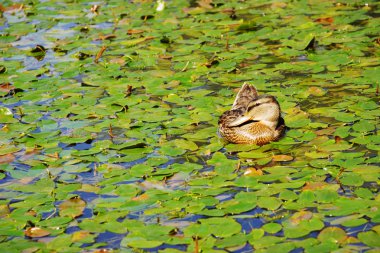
251, 132
246, 94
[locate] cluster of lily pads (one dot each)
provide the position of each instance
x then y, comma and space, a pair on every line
108, 126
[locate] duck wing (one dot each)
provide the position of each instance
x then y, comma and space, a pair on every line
246, 94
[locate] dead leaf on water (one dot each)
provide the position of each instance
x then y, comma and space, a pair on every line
316, 91
25, 180
118, 60
165, 57
314, 186
325, 20
301, 216
282, 158
8, 158
4, 210
141, 197
80, 235
36, 232
276, 5
134, 31
253, 172
6, 87
326, 131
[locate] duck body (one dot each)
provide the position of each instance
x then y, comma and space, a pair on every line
253, 119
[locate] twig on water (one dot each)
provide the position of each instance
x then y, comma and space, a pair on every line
184, 68
196, 246
110, 132
99, 54
338, 180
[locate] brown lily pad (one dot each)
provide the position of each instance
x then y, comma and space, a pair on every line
36, 232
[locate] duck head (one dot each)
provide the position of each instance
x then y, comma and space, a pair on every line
264, 109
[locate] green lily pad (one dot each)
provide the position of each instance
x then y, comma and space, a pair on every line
352, 180
272, 228
363, 126
332, 234
370, 238
221, 227
269, 203
6, 115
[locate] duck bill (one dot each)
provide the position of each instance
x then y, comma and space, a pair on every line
239, 121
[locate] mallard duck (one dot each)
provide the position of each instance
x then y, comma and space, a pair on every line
253, 119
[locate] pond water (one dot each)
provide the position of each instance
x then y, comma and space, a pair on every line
108, 126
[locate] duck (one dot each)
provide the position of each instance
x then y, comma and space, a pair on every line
253, 119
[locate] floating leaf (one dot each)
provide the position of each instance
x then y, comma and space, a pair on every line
82, 236
253, 155
282, 158
253, 172
221, 227
6, 87
345, 117
8, 158
233, 241
272, 228
363, 126
6, 115
133, 42
73, 207
298, 123
330, 146
352, 180
4, 210
186, 144
354, 223
332, 234
269, 203
36, 232
370, 238
141, 243
301, 228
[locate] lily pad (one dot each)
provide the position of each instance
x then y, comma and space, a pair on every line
72, 207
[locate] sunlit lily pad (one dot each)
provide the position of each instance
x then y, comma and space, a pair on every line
36, 232
6, 115
72, 207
